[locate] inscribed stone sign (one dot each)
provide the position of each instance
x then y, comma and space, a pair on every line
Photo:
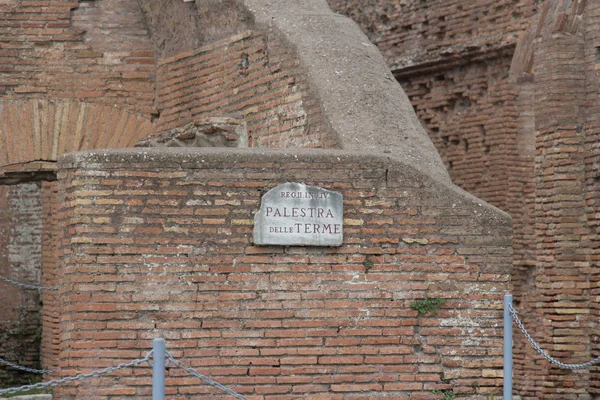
293, 214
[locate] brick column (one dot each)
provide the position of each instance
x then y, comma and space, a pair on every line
521, 203
561, 275
50, 262
592, 179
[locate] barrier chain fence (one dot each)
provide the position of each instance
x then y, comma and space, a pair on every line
204, 378
26, 286
207, 380
27, 369
19, 367
170, 359
53, 383
537, 348
44, 385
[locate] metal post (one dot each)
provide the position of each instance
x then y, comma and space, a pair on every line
508, 342
158, 369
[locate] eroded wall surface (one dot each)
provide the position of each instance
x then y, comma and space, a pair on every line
470, 116
20, 227
254, 75
159, 244
95, 53
553, 69
51, 310
414, 34
453, 59
412, 234
507, 92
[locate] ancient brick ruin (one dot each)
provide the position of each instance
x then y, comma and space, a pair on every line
507, 92
227, 99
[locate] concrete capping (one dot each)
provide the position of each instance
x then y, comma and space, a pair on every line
399, 173
361, 100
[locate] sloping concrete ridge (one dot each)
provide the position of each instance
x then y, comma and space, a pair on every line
360, 97
365, 105
31, 397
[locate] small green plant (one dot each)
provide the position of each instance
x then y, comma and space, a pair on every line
368, 265
448, 394
427, 306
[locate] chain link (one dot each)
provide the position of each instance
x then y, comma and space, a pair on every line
537, 348
204, 378
26, 286
44, 385
27, 369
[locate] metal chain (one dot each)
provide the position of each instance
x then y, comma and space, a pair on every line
204, 378
27, 369
537, 348
43, 385
26, 286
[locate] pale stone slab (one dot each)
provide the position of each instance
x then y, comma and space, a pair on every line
293, 214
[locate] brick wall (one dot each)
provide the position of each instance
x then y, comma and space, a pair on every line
415, 34
470, 116
20, 225
160, 244
176, 26
50, 346
259, 75
555, 281
45, 52
592, 179
453, 60
108, 58
253, 74
541, 162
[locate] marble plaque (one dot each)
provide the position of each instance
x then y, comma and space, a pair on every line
293, 214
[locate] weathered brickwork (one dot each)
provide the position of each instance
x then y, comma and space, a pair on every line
45, 52
51, 310
553, 75
20, 227
176, 26
252, 74
470, 116
37, 130
415, 34
453, 60
525, 142
278, 322
542, 164
108, 58
592, 178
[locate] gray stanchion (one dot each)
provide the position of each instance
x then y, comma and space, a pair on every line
508, 342
158, 369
